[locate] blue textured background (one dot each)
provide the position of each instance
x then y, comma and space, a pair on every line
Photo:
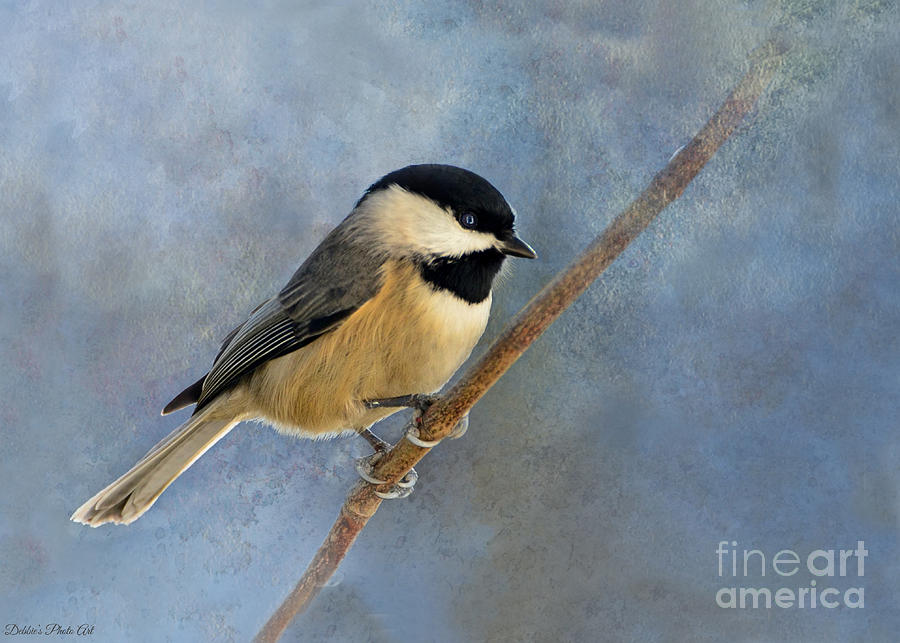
734, 376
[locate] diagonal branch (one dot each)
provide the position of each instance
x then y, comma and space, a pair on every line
526, 327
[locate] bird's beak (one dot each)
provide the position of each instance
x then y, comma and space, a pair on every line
515, 247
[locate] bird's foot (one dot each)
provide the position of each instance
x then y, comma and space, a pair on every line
421, 402
365, 467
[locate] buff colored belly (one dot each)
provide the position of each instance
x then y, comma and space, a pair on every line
408, 339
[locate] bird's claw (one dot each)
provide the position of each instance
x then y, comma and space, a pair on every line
409, 480
365, 467
460, 429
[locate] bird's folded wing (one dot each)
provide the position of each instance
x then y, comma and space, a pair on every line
338, 278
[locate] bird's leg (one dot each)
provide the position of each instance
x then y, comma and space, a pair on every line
377, 443
419, 401
366, 466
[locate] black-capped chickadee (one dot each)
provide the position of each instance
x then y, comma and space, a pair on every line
390, 304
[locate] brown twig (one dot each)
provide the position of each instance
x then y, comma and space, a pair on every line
527, 326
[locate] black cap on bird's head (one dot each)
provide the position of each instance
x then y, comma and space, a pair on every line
476, 204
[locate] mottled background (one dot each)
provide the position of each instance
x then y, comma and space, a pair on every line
733, 376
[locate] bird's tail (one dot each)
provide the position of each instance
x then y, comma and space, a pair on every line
126, 499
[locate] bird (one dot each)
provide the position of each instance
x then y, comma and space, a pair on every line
390, 304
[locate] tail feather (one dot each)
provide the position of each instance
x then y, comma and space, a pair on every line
126, 499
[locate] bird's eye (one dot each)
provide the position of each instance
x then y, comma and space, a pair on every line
468, 220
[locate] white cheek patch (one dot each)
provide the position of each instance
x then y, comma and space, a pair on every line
400, 221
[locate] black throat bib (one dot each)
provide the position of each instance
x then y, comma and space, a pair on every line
469, 277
